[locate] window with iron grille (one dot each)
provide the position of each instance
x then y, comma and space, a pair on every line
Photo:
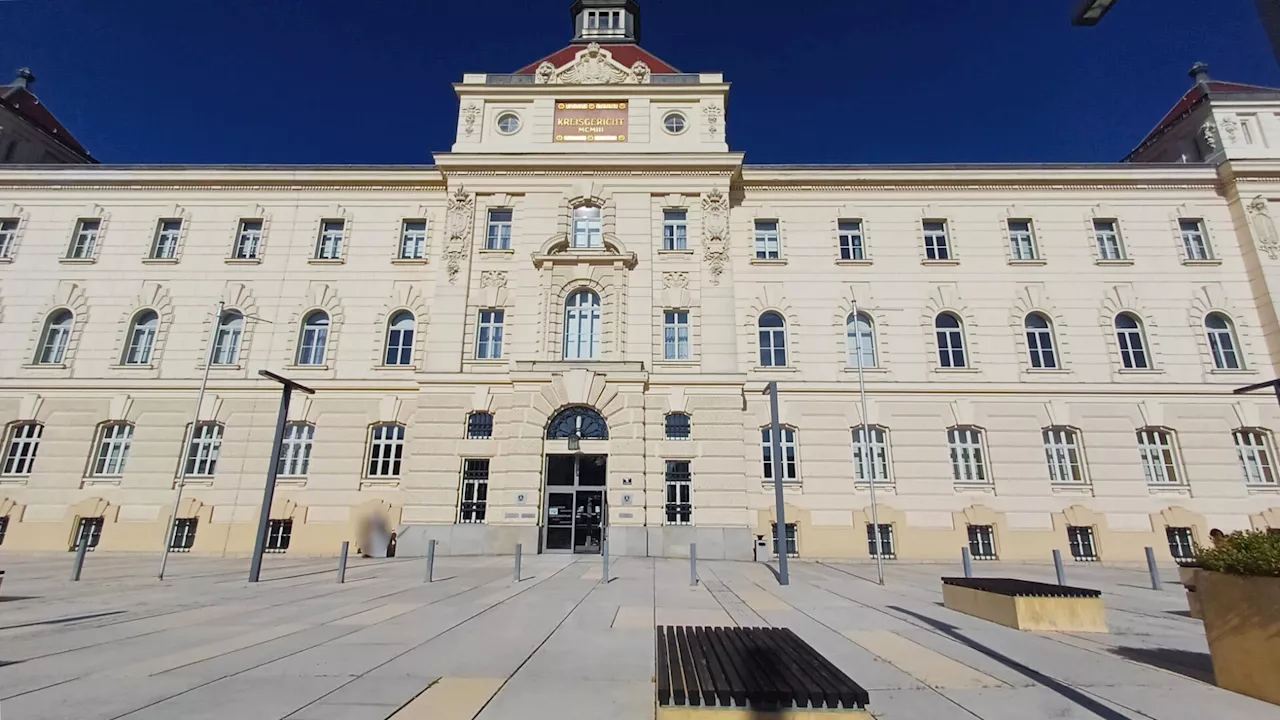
166, 243
679, 493
886, 549
475, 491
184, 535
1253, 448
679, 426
386, 450
24, 442
8, 231
967, 462
793, 542
1083, 547
675, 230
90, 530
295, 449
1022, 240
329, 246
479, 426
850, 236
982, 542
278, 534
84, 240
113, 450
1182, 544
935, 240
4, 527
413, 240
1159, 462
248, 240
206, 445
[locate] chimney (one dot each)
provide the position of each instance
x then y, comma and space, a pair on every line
25, 78
1200, 73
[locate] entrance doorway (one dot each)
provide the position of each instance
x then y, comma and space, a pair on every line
575, 504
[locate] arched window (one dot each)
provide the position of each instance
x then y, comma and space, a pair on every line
142, 338
950, 340
586, 227
54, 339
581, 422
400, 339
1222, 341
1133, 346
1040, 342
314, 340
1063, 454
226, 344
582, 326
861, 341
773, 340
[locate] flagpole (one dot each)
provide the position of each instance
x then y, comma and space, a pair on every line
867, 460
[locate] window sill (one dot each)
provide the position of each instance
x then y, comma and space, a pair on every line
1082, 489
1046, 371
1033, 262
243, 261
690, 364
13, 480
1202, 263
676, 251
395, 368
5, 260
216, 367
45, 366
941, 263
387, 484
957, 371
1172, 489
1264, 490
775, 368
77, 261
293, 482
881, 487
325, 261
407, 261
118, 366
975, 488
1233, 371
873, 370
496, 252
194, 481
495, 363
100, 482
159, 261
306, 368
853, 263
794, 485
1140, 371
1123, 262
767, 262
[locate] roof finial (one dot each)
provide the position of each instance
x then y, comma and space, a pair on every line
1200, 73
25, 78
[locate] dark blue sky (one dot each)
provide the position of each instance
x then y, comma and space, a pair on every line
814, 81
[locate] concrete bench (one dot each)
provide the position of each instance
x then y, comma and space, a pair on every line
740, 673
1027, 605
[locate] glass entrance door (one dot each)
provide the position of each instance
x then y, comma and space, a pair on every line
574, 519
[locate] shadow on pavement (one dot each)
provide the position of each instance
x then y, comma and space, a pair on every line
15, 598
60, 621
1066, 691
1195, 665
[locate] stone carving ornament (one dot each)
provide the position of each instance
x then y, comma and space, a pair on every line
461, 214
713, 113
1264, 227
1210, 131
493, 279
641, 71
715, 229
593, 66
470, 114
675, 280
1230, 129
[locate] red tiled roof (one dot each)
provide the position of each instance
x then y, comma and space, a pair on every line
33, 111
1193, 98
627, 55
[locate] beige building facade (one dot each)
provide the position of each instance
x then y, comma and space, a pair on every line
561, 332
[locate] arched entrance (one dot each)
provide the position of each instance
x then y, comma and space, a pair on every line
574, 503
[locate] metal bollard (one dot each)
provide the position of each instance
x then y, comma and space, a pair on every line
1155, 571
80, 550
431, 560
604, 553
342, 562
518, 548
693, 564
967, 557
1057, 565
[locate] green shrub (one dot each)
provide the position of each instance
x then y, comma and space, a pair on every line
1243, 553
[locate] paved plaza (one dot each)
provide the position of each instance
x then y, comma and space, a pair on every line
559, 643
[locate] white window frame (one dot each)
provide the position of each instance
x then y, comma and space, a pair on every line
1158, 448
228, 337
851, 240
85, 239
295, 449
1195, 239
205, 448
8, 236
1107, 239
790, 453
881, 467
114, 442
498, 229
313, 339
773, 341
1132, 342
582, 325
768, 239
333, 232
1224, 347
679, 492
56, 338
141, 341
21, 448
937, 239
675, 334
1064, 456
398, 350
168, 233
1256, 452
249, 239
386, 450
952, 353
413, 239
869, 357
1042, 351
1022, 240
675, 229
603, 23
490, 325
968, 455
587, 232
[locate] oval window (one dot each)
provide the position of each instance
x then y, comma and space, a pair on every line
674, 123
508, 123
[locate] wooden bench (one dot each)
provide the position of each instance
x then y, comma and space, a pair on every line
705, 672
1027, 605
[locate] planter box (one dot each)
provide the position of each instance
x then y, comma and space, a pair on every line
1188, 577
1026, 605
1242, 624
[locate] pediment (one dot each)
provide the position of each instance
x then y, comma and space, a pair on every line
594, 65
558, 250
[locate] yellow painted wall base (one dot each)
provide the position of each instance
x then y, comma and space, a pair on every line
706, 713
1041, 614
1242, 625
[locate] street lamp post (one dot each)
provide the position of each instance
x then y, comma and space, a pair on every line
259, 544
775, 441
867, 461
1090, 12
1270, 384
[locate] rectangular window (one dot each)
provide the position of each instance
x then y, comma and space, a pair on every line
878, 469
479, 426
678, 426
499, 233
329, 246
600, 23
278, 534
768, 242
1083, 548
24, 442
206, 444
1182, 545
475, 491
184, 535
1158, 460
386, 450
1022, 241
936, 245
967, 462
489, 335
679, 493
675, 230
1107, 234
84, 240
165, 246
113, 450
789, 468
248, 240
675, 335
8, 233
4, 527
1253, 448
295, 449
885, 545
793, 543
1062, 452
413, 240
982, 542
1195, 240
850, 236
89, 530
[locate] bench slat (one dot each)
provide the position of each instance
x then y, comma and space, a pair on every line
719, 683
664, 667
732, 668
688, 666
851, 694
678, 695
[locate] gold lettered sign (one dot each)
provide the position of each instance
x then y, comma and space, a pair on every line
591, 122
